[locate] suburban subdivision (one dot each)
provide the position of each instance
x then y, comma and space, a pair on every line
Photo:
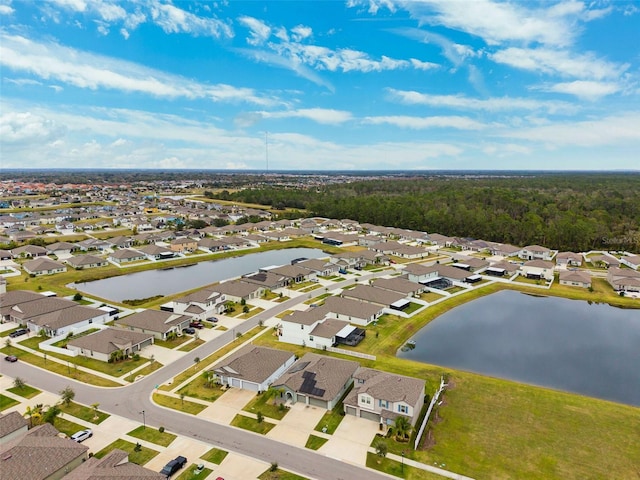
152, 331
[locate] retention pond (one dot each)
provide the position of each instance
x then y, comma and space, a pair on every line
571, 345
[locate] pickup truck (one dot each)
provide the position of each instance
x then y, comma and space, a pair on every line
173, 466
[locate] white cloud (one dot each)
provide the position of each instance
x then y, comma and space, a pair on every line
588, 90
86, 70
259, 31
420, 65
456, 53
319, 115
612, 130
420, 123
175, 20
462, 102
6, 10
26, 128
559, 62
301, 32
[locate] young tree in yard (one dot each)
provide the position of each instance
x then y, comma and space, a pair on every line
381, 447
51, 414
34, 414
95, 407
403, 428
67, 395
182, 398
196, 361
19, 383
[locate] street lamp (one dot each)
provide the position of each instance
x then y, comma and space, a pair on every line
144, 421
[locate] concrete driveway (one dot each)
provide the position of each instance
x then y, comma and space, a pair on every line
239, 467
297, 425
227, 406
351, 440
188, 448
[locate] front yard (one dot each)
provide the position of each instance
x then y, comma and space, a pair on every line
264, 403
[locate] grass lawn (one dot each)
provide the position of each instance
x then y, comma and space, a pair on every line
455, 289
264, 403
395, 468
531, 281
171, 344
66, 426
6, 402
26, 391
215, 455
314, 442
140, 457
191, 345
59, 368
333, 417
152, 367
412, 308
251, 313
190, 473
252, 424
153, 435
430, 297
197, 388
279, 474
84, 413
175, 403
6, 333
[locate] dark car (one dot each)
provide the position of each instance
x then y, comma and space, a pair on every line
212, 319
196, 325
173, 466
19, 332
11, 358
189, 330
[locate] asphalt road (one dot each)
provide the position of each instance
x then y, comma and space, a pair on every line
129, 401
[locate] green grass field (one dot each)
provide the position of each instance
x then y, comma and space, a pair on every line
25, 392
6, 402
215, 455
140, 457
252, 424
84, 413
153, 435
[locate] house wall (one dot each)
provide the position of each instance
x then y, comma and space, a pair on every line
626, 262
575, 284
63, 331
547, 274
295, 333
355, 320
422, 278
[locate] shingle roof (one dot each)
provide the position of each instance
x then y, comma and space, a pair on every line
389, 386
40, 306
110, 340
306, 317
67, 316
236, 288
373, 294
81, 260
252, 363
328, 328
153, 320
396, 284
11, 422
42, 264
115, 465
350, 307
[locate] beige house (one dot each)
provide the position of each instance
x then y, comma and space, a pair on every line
114, 465
102, 344
43, 266
184, 245
575, 278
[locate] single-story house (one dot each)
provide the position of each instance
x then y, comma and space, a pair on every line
377, 296
61, 248
66, 320
569, 259
157, 322
80, 262
236, 290
537, 269
317, 380
383, 397
114, 465
41, 454
607, 260
43, 266
578, 278
294, 273
157, 252
100, 345
623, 279
357, 312
253, 368
15, 297
29, 251
631, 261
31, 307
12, 425
399, 285
322, 268
267, 280
126, 255
501, 268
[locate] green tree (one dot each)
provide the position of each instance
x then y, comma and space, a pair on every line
403, 428
67, 395
381, 447
19, 383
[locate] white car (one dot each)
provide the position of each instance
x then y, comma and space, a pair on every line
82, 435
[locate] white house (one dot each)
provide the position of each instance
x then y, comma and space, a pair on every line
536, 252
537, 269
631, 261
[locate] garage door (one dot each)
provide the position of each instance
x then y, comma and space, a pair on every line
317, 403
351, 410
236, 382
250, 386
370, 415
301, 398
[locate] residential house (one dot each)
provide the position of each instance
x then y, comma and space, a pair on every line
43, 266
200, 304
29, 251
15, 297
157, 252
114, 465
102, 344
66, 320
40, 454
577, 278
606, 260
537, 269
357, 312
157, 322
61, 248
296, 327
374, 295
322, 268
253, 368
317, 380
12, 425
631, 261
237, 291
81, 262
126, 255
5, 255
399, 285
383, 397
294, 273
399, 250
439, 240
568, 259
623, 279
536, 252
267, 280
501, 268
183, 245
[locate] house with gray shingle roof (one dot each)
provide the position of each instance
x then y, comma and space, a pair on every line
100, 345
66, 320
81, 262
578, 278
12, 425
114, 465
253, 368
236, 290
126, 255
156, 322
317, 380
383, 397
374, 295
200, 304
43, 266
353, 311
623, 279
40, 454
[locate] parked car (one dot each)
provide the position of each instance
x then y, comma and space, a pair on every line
82, 435
19, 332
11, 358
196, 325
189, 330
212, 320
173, 466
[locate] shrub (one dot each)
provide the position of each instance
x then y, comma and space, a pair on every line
161, 429
273, 467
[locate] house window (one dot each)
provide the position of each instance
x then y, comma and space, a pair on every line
366, 400
383, 403
403, 409
310, 338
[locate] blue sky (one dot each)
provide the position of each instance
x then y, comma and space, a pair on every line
349, 85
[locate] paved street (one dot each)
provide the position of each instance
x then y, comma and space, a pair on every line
129, 401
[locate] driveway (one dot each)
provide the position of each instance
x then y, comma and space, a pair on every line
227, 406
188, 448
351, 440
239, 467
297, 425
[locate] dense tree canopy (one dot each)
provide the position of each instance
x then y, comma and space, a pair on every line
565, 211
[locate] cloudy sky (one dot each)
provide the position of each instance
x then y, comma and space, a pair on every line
312, 85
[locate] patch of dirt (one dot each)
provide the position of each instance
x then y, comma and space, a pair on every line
428, 441
436, 418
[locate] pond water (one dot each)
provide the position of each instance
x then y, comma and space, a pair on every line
168, 282
571, 345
